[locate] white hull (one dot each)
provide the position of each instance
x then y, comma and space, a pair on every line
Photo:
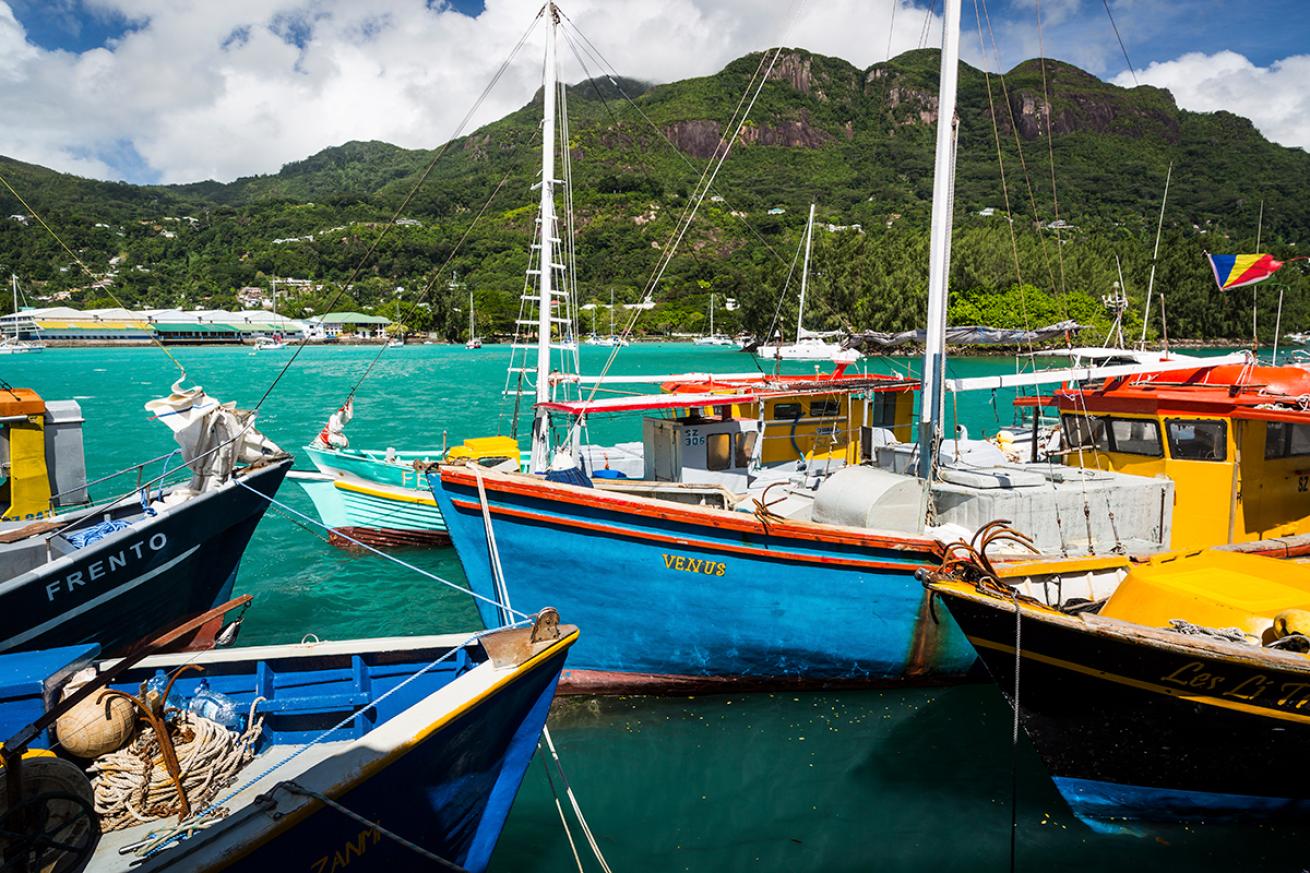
715, 341
809, 351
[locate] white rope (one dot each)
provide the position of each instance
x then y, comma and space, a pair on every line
132, 785
559, 808
504, 607
499, 575
573, 801
493, 551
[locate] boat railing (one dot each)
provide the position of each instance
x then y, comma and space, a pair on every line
141, 491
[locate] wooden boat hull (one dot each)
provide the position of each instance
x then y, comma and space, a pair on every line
682, 598
1140, 724
122, 588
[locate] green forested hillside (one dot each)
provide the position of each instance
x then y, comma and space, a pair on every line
856, 142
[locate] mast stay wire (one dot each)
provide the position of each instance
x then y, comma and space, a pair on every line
612, 75
414, 189
1122, 47
1005, 188
432, 282
85, 269
1050, 152
712, 168
1018, 144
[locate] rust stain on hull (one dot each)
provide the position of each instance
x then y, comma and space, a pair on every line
386, 538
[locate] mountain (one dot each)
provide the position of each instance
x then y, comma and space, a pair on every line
859, 143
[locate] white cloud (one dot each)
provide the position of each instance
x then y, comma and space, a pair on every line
205, 89
1273, 97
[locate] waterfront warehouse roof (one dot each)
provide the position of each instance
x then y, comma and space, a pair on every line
350, 318
180, 327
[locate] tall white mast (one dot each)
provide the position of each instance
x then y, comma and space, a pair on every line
546, 219
471, 331
805, 274
711, 314
939, 251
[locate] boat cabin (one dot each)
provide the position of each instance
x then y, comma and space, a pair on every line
1235, 440
41, 459
733, 433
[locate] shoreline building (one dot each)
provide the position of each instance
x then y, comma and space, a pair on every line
63, 324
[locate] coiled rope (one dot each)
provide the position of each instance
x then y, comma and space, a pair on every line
132, 785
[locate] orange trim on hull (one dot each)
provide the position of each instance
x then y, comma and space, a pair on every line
719, 519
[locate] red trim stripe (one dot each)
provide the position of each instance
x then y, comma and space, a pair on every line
715, 518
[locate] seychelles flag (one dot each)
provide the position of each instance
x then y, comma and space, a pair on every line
1234, 271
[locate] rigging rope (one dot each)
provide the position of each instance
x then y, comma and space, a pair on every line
722, 150
392, 558
404, 204
432, 283
1122, 47
1050, 152
85, 269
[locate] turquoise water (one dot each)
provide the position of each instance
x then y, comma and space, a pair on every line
885, 780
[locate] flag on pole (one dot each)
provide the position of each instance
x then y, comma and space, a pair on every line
1234, 271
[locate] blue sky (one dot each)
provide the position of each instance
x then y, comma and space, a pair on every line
185, 90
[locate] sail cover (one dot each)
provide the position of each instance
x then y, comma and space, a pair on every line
969, 335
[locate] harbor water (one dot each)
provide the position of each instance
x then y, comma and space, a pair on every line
888, 780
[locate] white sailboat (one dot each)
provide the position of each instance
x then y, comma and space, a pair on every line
810, 345
475, 341
613, 339
712, 338
275, 342
10, 344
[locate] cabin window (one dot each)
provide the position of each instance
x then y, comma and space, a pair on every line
745, 447
1085, 432
1285, 440
884, 409
718, 451
787, 410
1136, 436
826, 408
1193, 440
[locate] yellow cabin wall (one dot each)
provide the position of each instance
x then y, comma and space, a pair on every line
1276, 492
814, 445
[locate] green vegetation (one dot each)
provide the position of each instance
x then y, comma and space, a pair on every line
859, 143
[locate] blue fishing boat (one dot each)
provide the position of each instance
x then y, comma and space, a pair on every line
373, 754
779, 521
727, 599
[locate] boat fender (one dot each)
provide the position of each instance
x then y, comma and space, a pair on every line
98, 725
1291, 622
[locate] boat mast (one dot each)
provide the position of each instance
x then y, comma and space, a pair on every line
546, 220
711, 313
805, 274
471, 333
14, 278
934, 348
611, 313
